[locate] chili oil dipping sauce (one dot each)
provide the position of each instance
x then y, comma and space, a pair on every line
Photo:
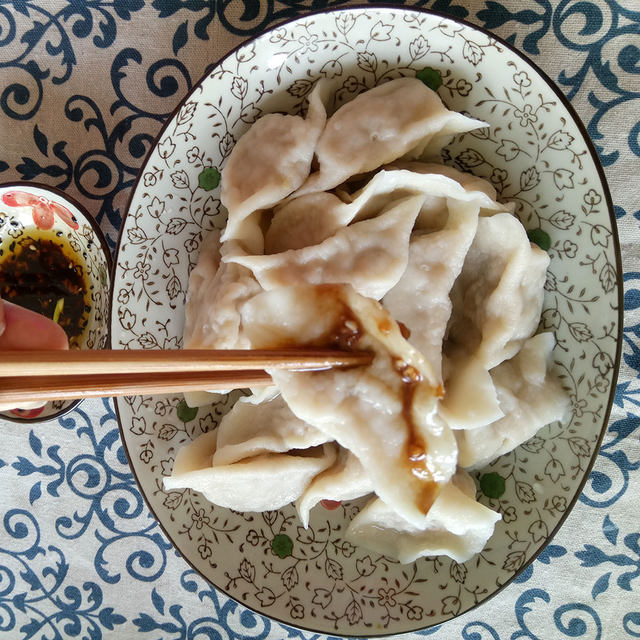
55, 261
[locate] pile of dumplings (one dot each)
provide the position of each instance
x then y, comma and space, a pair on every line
340, 233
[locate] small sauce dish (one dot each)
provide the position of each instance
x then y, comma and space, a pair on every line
54, 260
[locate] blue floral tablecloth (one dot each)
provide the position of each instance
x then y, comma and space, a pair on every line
85, 86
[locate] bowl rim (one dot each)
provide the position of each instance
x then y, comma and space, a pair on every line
616, 249
59, 193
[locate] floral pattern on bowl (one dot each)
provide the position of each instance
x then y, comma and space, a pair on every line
27, 206
43, 210
536, 155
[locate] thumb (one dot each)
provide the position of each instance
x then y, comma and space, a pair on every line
25, 329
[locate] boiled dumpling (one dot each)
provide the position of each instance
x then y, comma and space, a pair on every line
311, 218
456, 526
471, 400
383, 413
530, 398
281, 478
463, 481
201, 398
497, 300
370, 255
202, 283
468, 181
282, 317
499, 292
304, 221
345, 480
258, 395
205, 269
396, 119
389, 185
420, 299
250, 429
270, 161
195, 455
212, 319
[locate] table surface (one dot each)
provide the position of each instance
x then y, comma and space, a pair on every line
85, 87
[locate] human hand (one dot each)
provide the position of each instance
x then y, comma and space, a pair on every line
21, 328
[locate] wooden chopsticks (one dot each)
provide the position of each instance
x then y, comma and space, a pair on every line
27, 376
14, 391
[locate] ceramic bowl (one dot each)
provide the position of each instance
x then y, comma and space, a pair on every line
534, 151
34, 213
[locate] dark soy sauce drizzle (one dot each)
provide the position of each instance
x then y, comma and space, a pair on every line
416, 452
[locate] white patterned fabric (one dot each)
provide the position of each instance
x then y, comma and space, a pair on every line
85, 89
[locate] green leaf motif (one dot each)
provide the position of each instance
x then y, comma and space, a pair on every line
492, 485
185, 412
209, 178
540, 237
431, 77
282, 545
